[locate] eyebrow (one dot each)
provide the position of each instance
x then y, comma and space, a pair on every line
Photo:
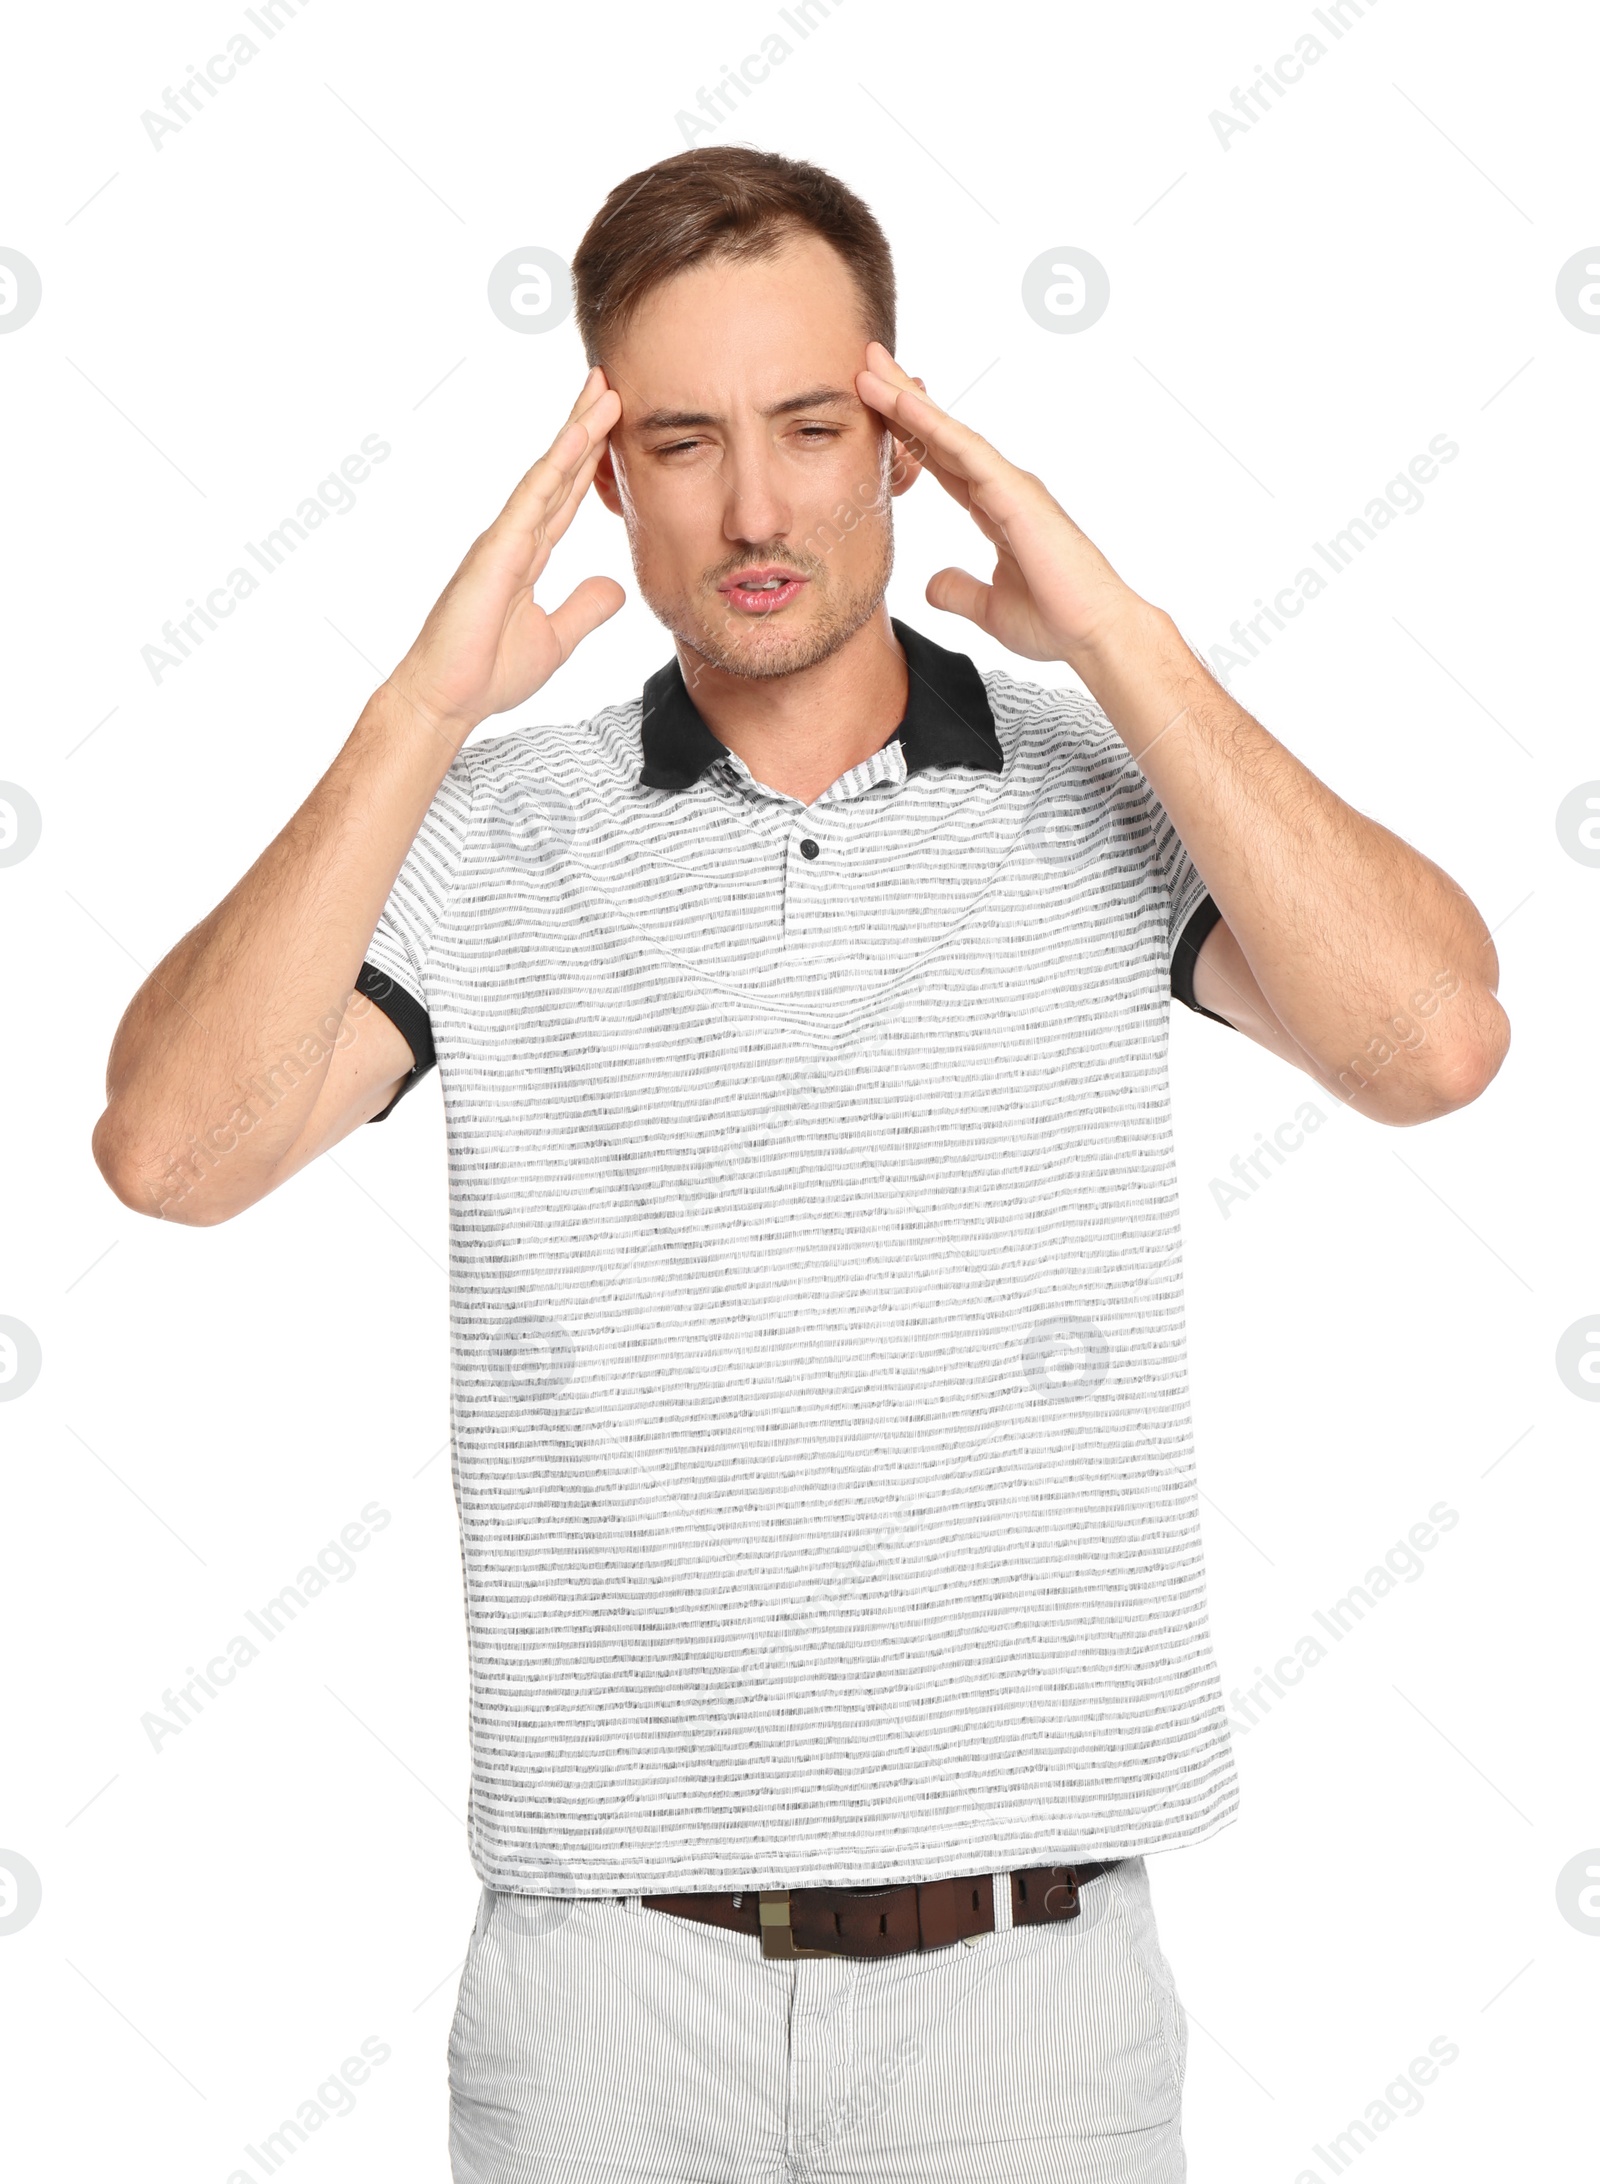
662, 420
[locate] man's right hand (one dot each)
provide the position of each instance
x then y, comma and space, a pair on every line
488, 645
270, 974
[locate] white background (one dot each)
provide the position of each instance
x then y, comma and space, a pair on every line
1292, 318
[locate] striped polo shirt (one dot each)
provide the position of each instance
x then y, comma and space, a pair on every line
819, 1401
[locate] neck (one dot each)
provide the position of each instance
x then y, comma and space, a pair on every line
798, 733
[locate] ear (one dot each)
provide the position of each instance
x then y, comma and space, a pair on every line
905, 465
605, 482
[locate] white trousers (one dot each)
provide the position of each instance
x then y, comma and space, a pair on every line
595, 2041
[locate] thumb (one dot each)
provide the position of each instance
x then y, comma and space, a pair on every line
956, 592
593, 601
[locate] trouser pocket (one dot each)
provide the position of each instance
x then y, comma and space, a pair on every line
1131, 1884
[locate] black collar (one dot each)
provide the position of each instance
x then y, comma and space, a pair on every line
948, 720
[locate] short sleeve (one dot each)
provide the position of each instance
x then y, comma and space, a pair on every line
395, 973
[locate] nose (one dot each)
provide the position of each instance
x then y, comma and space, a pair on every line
757, 509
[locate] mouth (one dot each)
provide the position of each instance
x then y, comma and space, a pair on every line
762, 590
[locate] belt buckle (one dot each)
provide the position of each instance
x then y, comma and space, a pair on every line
777, 1935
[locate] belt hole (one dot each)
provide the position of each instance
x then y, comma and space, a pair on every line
974, 1899
883, 1922
838, 1929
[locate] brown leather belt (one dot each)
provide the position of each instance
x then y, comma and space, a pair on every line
874, 1922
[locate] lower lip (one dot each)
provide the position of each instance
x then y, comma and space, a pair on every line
763, 602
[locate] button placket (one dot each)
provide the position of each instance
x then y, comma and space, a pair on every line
807, 913
805, 856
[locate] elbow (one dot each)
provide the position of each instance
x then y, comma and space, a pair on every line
128, 1174
200, 1185
145, 1182
1472, 1064
1462, 1071
123, 1172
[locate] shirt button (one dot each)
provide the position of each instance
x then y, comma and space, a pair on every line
808, 848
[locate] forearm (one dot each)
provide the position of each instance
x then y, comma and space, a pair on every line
231, 1036
232, 1040
1347, 930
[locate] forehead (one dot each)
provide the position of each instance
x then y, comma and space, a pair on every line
742, 333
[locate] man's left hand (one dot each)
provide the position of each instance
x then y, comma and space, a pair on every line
1053, 594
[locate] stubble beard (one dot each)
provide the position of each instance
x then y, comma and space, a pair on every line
763, 650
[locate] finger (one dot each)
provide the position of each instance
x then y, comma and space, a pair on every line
910, 448
955, 591
881, 365
584, 434
954, 447
564, 470
592, 602
585, 392
955, 486
594, 414
992, 500
562, 507
960, 450
881, 358
917, 449
595, 389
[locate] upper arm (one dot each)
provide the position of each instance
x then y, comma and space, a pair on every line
1225, 986
391, 1042
366, 1074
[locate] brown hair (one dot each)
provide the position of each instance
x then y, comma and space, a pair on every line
720, 202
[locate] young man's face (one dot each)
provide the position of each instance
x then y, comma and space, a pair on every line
744, 452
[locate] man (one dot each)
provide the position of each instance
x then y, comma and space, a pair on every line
834, 1586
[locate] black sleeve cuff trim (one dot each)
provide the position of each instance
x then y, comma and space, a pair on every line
1186, 954
409, 1018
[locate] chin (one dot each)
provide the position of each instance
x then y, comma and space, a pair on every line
765, 651
774, 646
